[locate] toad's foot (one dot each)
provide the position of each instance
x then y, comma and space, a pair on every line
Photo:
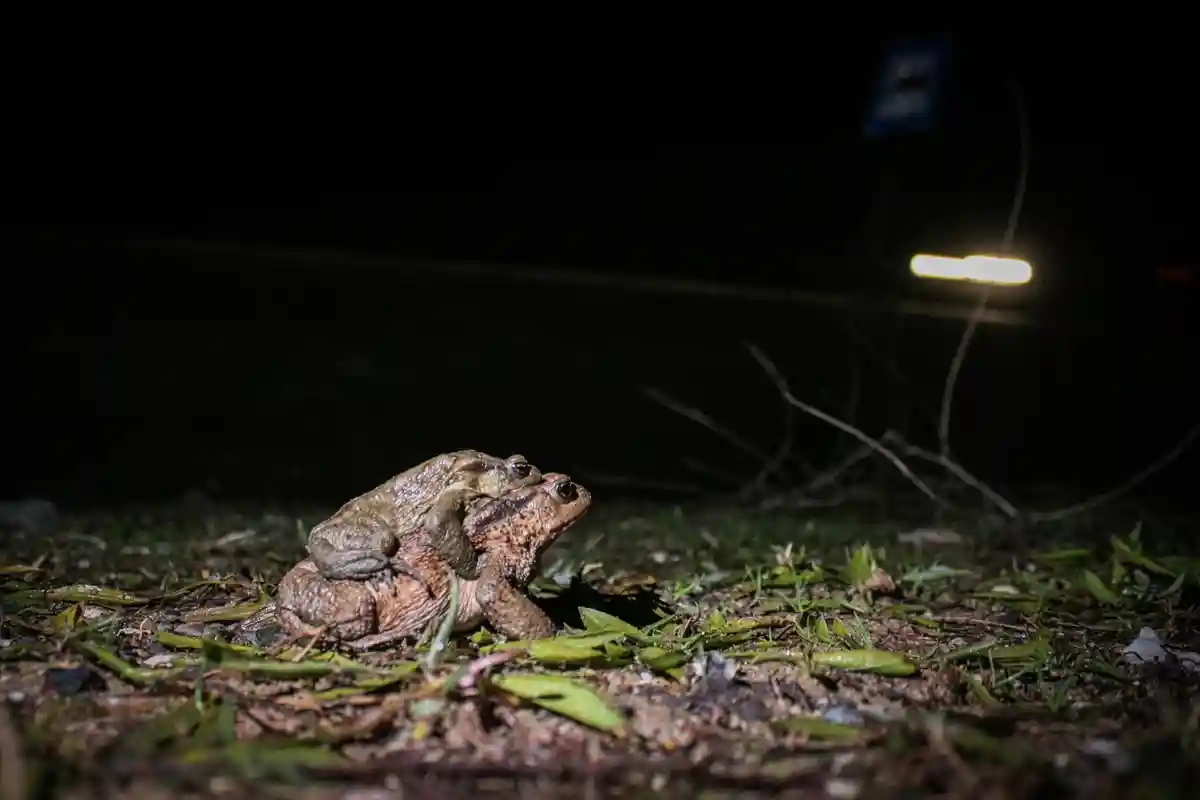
347, 565
259, 629
506, 609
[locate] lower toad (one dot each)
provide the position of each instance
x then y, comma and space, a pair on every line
510, 534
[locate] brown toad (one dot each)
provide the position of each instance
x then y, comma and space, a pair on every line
360, 540
510, 533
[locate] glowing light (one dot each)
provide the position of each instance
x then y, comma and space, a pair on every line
976, 269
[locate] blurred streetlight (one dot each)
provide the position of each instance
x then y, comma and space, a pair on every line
973, 268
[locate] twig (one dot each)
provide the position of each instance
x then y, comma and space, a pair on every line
781, 383
891, 367
1010, 233
1087, 505
469, 682
700, 418
312, 641
830, 476
983, 623
960, 355
824, 479
782, 453
957, 470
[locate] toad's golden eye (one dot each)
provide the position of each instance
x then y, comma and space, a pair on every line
521, 469
566, 491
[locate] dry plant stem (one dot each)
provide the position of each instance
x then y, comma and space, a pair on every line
960, 355
957, 470
311, 643
781, 383
782, 453
891, 367
1087, 505
1010, 233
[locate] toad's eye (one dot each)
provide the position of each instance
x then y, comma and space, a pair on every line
566, 491
520, 468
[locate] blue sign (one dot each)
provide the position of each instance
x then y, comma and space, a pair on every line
910, 85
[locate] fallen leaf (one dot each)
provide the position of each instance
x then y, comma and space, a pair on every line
878, 661
566, 697
599, 622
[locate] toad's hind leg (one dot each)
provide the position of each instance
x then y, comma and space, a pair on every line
307, 603
358, 563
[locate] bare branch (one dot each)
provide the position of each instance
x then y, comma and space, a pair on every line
700, 418
957, 470
1172, 454
781, 383
960, 355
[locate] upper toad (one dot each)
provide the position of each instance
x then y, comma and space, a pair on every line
360, 540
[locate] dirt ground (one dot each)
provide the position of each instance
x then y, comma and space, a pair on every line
703, 652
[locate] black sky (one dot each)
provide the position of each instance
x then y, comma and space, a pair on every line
732, 169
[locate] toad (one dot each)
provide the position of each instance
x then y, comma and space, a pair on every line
360, 540
510, 534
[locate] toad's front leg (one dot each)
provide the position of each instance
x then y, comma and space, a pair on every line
443, 530
506, 609
307, 603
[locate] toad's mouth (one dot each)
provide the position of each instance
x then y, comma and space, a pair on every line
560, 525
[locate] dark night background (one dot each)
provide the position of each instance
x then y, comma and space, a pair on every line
141, 371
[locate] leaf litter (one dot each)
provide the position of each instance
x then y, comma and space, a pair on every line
719, 651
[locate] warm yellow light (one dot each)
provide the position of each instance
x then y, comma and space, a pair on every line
977, 269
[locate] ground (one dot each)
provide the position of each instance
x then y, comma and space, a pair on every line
706, 651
